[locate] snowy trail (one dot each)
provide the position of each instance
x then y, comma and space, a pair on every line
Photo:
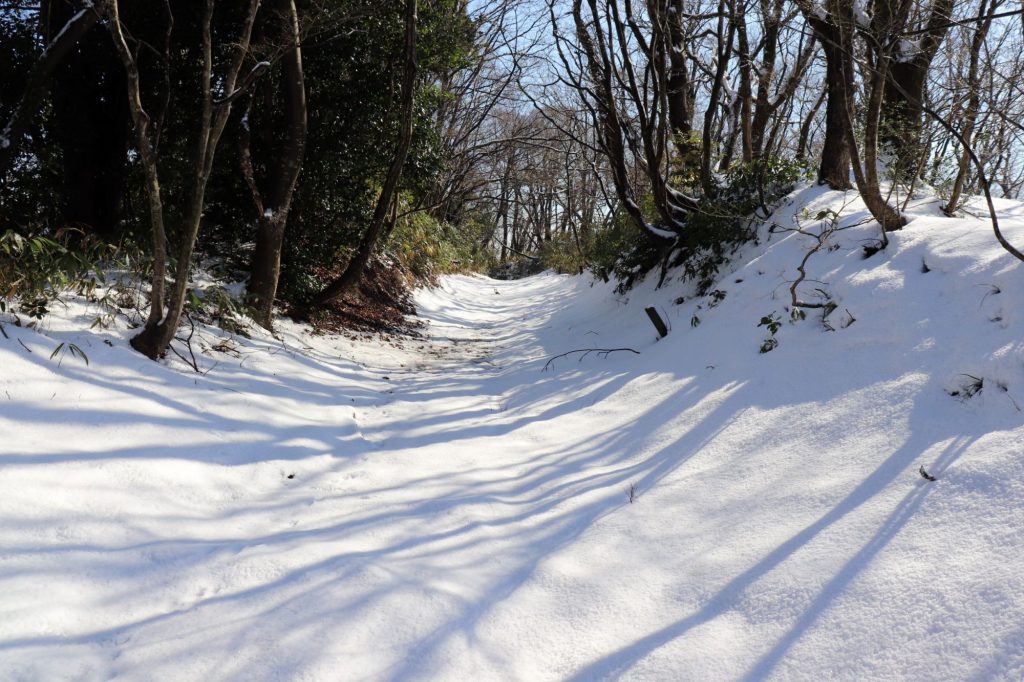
327, 509
404, 502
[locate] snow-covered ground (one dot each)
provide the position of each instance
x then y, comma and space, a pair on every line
317, 508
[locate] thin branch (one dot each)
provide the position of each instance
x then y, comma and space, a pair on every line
603, 352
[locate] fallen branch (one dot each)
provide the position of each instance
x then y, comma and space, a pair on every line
188, 344
603, 352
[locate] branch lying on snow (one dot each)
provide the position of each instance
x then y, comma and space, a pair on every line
603, 352
188, 344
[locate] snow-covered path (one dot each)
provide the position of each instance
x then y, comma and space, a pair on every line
325, 509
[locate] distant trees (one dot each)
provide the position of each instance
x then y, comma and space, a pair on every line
296, 140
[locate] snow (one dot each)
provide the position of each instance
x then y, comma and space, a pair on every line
860, 14
908, 50
653, 229
323, 508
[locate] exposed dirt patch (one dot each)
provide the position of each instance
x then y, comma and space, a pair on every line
382, 305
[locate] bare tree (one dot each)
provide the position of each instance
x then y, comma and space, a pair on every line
622, 78
973, 95
273, 207
837, 28
165, 315
773, 74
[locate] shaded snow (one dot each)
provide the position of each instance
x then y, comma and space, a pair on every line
456, 513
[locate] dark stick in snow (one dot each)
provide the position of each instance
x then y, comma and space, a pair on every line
604, 352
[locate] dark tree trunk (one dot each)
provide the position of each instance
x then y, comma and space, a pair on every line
834, 170
745, 94
726, 33
162, 323
91, 125
265, 269
67, 35
680, 95
902, 111
354, 270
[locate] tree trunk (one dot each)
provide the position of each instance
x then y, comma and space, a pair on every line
866, 173
771, 19
902, 112
836, 32
147, 159
680, 95
745, 93
805, 127
38, 83
162, 323
834, 169
726, 31
354, 270
265, 268
973, 105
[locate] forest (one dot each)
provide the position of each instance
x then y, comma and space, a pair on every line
313, 149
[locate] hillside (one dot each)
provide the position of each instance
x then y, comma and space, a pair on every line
466, 505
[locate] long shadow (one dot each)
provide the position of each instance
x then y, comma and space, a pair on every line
899, 516
541, 502
542, 537
616, 663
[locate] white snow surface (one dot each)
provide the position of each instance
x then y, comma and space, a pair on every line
320, 508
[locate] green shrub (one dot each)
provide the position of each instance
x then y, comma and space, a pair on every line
713, 230
563, 253
623, 252
429, 247
36, 270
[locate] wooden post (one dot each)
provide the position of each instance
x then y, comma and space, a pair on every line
658, 323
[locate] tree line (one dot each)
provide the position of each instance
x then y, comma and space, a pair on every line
303, 139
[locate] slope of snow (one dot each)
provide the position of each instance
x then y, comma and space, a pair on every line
315, 508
